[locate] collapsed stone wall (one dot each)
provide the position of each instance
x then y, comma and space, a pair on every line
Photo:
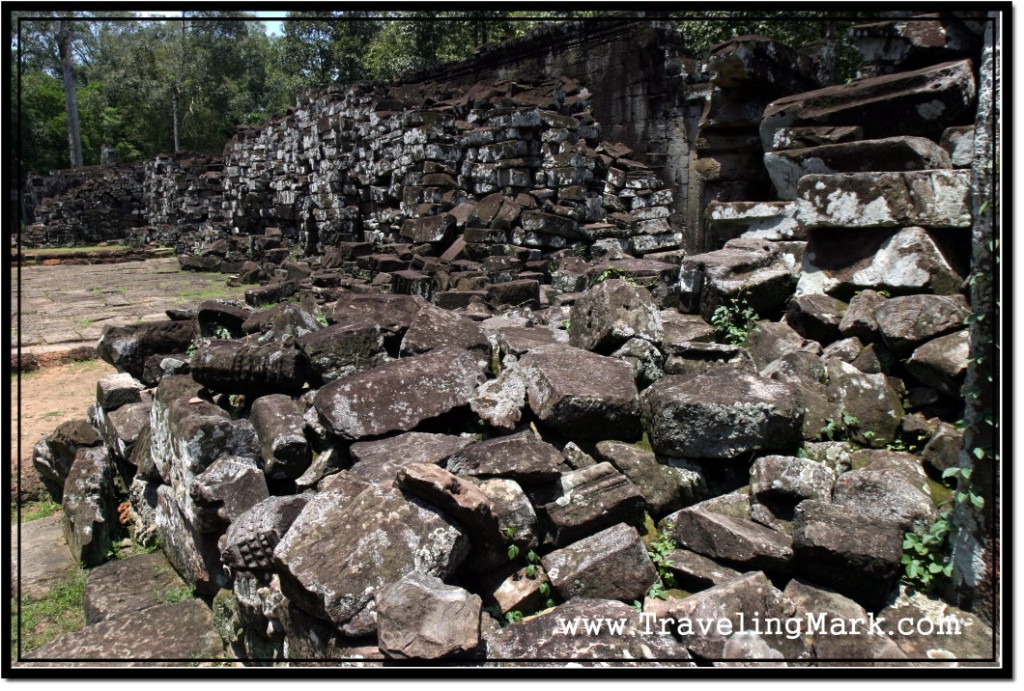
84, 206
391, 450
510, 163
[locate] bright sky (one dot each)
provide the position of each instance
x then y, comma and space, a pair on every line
273, 27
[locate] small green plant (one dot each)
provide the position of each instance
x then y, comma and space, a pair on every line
966, 490
924, 556
614, 272
836, 431
222, 333
658, 550
734, 322
513, 617
191, 350
531, 567
178, 594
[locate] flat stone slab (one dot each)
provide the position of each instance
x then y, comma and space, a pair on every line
44, 557
181, 632
132, 585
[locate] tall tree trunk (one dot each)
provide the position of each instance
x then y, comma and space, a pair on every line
70, 93
174, 117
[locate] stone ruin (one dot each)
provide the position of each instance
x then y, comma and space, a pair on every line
481, 368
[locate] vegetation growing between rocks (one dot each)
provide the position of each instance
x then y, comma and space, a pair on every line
734, 322
43, 621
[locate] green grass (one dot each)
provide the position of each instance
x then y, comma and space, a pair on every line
58, 614
34, 510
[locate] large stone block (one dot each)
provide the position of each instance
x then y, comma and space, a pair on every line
723, 413
920, 103
932, 198
582, 394
352, 540
398, 396
611, 313
612, 564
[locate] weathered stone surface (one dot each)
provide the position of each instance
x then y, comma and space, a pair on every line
887, 485
500, 402
131, 585
611, 313
123, 428
959, 142
252, 536
723, 413
53, 454
803, 137
174, 632
399, 395
735, 541
857, 643
513, 589
237, 367
867, 405
942, 362
513, 509
768, 341
612, 565
277, 420
893, 154
943, 449
582, 394
779, 483
465, 503
217, 314
343, 349
816, 317
696, 572
585, 501
757, 271
378, 461
845, 550
439, 229
127, 347
521, 457
737, 601
754, 221
545, 638
859, 319
665, 488
49, 561
683, 328
421, 618
435, 328
807, 376
194, 555
393, 313
932, 198
909, 260
905, 322
898, 45
942, 631
353, 539
116, 390
689, 358
228, 488
88, 504
921, 103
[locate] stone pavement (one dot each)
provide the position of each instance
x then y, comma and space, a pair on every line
48, 559
67, 306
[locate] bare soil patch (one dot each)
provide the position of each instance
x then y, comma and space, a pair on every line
49, 396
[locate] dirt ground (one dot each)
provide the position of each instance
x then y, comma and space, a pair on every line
49, 396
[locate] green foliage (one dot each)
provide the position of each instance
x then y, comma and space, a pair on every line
658, 549
967, 491
734, 322
177, 594
837, 430
615, 272
924, 554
